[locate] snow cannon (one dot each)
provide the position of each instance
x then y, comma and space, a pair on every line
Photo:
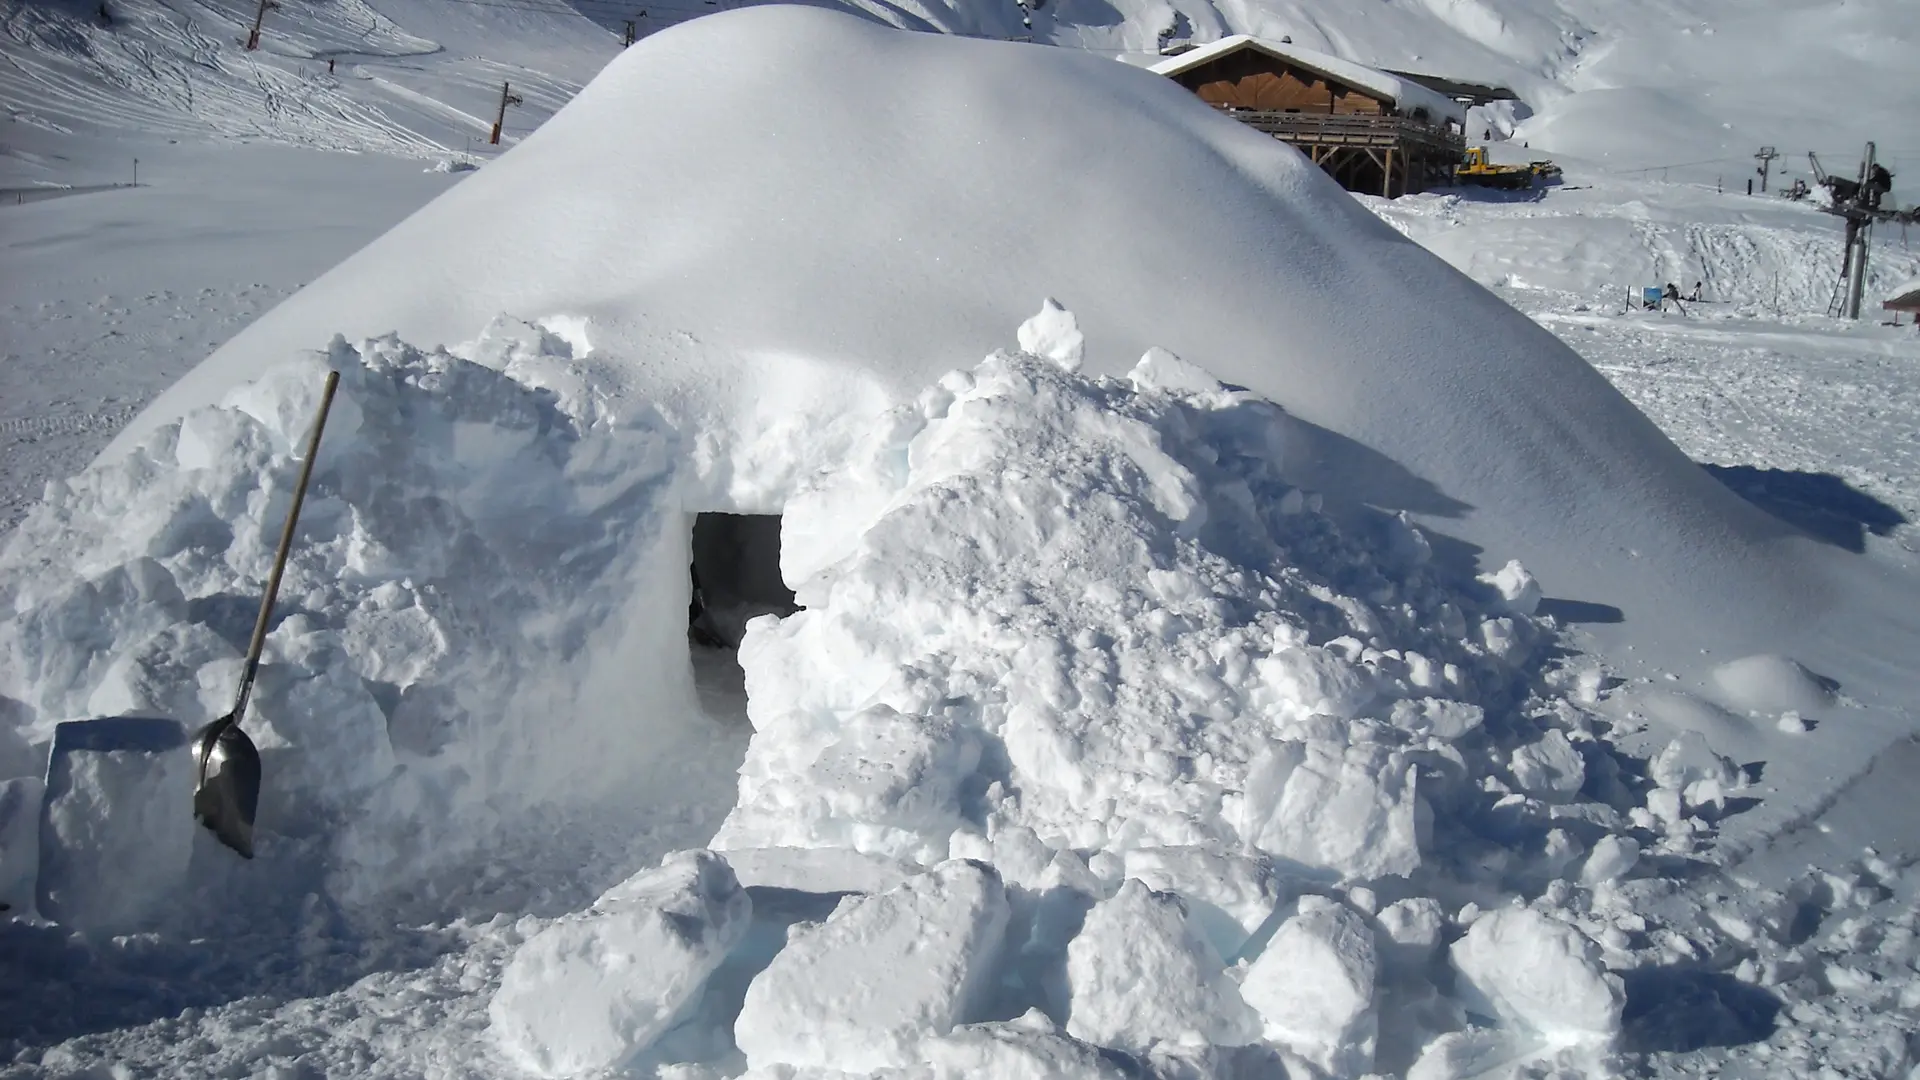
115, 835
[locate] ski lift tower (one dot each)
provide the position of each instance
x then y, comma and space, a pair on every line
1858, 201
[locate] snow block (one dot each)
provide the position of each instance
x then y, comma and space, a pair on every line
885, 972
1535, 972
1055, 334
116, 823
56, 650
1139, 973
1688, 760
1550, 768
1519, 591
323, 737
1313, 986
888, 784
19, 841
1412, 927
160, 676
1612, 857
1347, 808
1228, 897
596, 988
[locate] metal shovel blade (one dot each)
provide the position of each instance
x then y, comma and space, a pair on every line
226, 791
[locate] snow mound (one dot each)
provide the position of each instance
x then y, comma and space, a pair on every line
1080, 628
1274, 282
1774, 684
591, 991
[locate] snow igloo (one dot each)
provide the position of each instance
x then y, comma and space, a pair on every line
786, 318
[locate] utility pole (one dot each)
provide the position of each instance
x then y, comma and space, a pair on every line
259, 16
1765, 158
507, 97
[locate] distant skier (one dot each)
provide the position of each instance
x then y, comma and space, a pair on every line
1672, 293
1694, 296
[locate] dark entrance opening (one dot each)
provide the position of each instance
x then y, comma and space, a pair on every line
736, 576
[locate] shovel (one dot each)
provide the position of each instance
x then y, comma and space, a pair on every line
226, 789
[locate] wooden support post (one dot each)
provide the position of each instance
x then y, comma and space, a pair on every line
507, 97
259, 16
1386, 176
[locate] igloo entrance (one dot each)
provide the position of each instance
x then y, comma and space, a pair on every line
736, 576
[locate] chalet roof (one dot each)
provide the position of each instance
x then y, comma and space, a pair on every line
1405, 94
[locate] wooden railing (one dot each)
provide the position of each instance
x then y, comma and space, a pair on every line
1348, 129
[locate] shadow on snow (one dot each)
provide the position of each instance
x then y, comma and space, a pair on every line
1820, 504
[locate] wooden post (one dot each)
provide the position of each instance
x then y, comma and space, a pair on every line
259, 16
507, 97
1386, 176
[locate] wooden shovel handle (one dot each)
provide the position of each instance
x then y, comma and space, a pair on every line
259, 641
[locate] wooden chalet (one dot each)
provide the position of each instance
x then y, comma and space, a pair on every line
1907, 299
1373, 132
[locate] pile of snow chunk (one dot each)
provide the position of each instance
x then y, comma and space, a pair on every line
1085, 630
484, 583
1095, 608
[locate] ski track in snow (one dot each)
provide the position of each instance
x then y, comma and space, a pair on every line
123, 350
1805, 403
169, 69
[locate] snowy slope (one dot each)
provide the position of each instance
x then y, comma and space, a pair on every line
1694, 87
176, 70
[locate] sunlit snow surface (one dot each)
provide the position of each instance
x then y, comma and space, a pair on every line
1263, 773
